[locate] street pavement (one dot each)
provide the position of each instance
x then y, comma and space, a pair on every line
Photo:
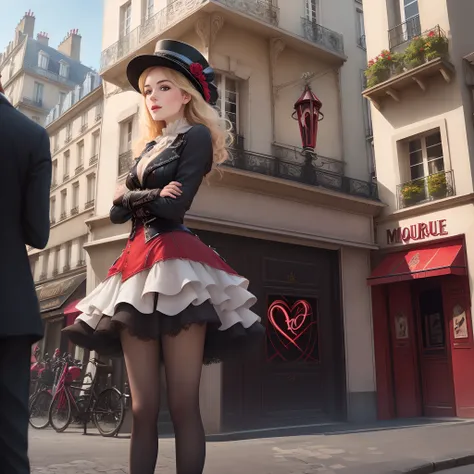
460, 470
343, 450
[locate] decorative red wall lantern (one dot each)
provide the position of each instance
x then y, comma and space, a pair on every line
308, 113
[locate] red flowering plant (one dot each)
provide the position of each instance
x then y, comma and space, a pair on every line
382, 67
436, 45
198, 72
415, 54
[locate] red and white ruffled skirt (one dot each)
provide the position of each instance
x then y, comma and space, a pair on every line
162, 287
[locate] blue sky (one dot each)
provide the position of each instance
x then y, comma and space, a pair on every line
57, 17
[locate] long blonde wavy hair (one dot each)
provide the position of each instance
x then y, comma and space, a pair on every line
196, 111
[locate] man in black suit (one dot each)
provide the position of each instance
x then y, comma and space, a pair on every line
25, 170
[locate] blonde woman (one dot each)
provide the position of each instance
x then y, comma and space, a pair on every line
169, 297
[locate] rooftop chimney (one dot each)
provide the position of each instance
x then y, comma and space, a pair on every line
42, 38
26, 25
71, 45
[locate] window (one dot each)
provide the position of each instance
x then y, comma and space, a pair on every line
149, 6
38, 93
228, 103
311, 10
54, 180
95, 144
63, 203
43, 60
55, 142
44, 267
360, 28
91, 188
68, 132
52, 210
35, 118
126, 135
80, 154
67, 256
67, 164
426, 156
63, 69
98, 112
409, 9
56, 261
75, 198
62, 98
84, 117
125, 19
82, 252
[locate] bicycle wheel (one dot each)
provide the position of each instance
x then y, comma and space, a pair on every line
108, 412
39, 409
60, 413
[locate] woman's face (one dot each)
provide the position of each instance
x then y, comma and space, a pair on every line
163, 99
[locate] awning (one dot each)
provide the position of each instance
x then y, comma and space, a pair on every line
53, 295
71, 312
444, 259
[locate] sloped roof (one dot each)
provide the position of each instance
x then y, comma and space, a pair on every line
77, 70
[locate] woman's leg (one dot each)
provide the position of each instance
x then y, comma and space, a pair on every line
183, 356
143, 368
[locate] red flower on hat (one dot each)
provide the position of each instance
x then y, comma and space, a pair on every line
198, 72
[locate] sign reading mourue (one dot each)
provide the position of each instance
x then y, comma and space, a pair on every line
415, 232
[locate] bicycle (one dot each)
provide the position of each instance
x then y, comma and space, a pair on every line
42, 391
107, 404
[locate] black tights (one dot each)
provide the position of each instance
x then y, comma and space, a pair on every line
183, 364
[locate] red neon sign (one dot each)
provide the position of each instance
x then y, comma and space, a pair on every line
295, 328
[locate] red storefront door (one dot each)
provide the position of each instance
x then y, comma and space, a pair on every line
433, 348
404, 351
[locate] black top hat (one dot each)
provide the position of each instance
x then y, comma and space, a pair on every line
181, 57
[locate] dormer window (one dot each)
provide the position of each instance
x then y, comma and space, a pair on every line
43, 60
63, 69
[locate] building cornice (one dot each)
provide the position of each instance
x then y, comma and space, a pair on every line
74, 111
423, 209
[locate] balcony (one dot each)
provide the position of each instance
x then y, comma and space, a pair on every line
93, 159
310, 169
322, 36
264, 10
68, 139
54, 184
125, 161
62, 216
65, 177
35, 103
79, 169
84, 127
66, 268
391, 73
423, 190
404, 32
98, 117
89, 204
179, 17
75, 211
52, 221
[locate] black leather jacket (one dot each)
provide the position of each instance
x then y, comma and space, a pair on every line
187, 160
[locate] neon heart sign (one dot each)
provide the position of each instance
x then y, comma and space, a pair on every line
294, 327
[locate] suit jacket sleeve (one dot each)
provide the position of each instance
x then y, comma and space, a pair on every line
35, 219
194, 163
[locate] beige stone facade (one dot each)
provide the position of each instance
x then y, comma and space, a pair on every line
74, 132
260, 50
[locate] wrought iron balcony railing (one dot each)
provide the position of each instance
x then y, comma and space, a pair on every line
89, 204
38, 103
261, 9
306, 172
79, 169
75, 210
423, 190
361, 42
404, 32
125, 161
322, 36
151, 28
93, 159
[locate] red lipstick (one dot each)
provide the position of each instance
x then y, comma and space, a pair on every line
155, 107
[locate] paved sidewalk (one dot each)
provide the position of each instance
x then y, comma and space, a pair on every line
365, 451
